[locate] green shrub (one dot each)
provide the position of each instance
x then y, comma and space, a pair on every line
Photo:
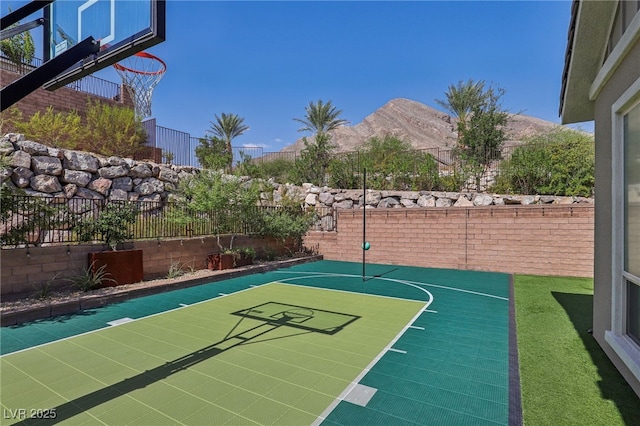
113, 130
391, 163
91, 278
111, 226
559, 162
278, 168
58, 129
345, 171
286, 223
212, 154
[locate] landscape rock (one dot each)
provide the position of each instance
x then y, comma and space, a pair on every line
76, 160
45, 183
77, 177
46, 165
21, 177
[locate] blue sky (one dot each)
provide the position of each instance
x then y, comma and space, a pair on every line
265, 61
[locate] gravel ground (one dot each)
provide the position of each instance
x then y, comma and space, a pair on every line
60, 296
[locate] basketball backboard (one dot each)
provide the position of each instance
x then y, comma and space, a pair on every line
122, 27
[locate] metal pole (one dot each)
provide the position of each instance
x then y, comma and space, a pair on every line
364, 222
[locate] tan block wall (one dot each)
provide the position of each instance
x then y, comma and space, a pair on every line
23, 271
540, 240
62, 100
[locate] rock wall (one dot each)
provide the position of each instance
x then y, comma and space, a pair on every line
44, 171
49, 172
327, 201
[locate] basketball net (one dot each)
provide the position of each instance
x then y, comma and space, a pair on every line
141, 73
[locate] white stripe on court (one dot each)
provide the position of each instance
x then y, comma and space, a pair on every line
397, 350
323, 274
417, 283
103, 328
120, 321
356, 381
416, 327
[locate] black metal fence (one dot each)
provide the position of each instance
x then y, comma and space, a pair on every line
28, 220
89, 84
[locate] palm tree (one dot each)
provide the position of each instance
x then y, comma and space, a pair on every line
227, 127
320, 118
461, 99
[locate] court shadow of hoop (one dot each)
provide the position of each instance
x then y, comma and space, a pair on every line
270, 316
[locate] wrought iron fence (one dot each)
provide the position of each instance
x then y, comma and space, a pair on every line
89, 84
28, 220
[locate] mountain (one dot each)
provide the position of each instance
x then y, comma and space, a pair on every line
420, 125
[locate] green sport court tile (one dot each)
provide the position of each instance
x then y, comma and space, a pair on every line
467, 320
122, 393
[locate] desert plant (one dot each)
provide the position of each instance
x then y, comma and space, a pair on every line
43, 290
58, 129
20, 48
8, 120
175, 270
168, 156
113, 130
91, 278
111, 226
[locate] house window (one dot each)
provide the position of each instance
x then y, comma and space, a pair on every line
624, 335
631, 221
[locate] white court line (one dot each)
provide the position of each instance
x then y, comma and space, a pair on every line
355, 381
104, 328
400, 351
417, 283
184, 305
431, 311
120, 321
416, 327
323, 274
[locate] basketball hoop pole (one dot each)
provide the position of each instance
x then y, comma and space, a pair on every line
364, 223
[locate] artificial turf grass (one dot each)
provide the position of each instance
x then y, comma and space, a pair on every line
566, 378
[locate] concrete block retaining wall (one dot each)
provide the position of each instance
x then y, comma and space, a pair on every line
534, 239
24, 270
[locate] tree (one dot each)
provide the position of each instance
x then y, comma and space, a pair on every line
19, 49
227, 201
482, 134
212, 153
227, 127
461, 99
320, 118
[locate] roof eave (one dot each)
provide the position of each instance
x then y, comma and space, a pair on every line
588, 36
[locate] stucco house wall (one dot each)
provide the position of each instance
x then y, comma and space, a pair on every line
601, 82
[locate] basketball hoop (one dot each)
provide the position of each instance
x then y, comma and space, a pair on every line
141, 72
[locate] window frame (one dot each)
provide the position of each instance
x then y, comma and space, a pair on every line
625, 347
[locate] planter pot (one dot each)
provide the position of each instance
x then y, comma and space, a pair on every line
123, 266
213, 262
244, 260
221, 261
